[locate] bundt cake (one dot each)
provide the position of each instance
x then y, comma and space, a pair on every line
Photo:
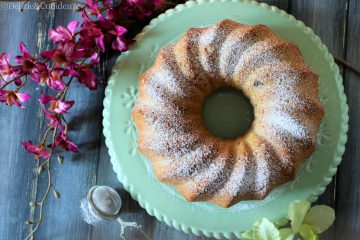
272, 75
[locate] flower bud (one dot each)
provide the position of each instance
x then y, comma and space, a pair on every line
56, 194
60, 159
40, 169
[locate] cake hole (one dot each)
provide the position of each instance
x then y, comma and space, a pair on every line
227, 113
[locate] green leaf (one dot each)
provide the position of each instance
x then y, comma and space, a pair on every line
247, 235
307, 232
286, 234
321, 217
265, 230
297, 212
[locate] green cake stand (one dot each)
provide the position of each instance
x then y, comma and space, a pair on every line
161, 200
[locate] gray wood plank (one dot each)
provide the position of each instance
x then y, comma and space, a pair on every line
348, 184
18, 183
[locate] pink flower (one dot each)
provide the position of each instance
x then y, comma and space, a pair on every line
85, 76
139, 9
56, 105
54, 119
120, 43
62, 35
66, 54
13, 97
113, 34
93, 7
94, 60
5, 67
7, 70
38, 151
64, 142
52, 77
28, 63
103, 34
91, 35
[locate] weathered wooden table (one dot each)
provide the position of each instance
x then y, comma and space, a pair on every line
337, 22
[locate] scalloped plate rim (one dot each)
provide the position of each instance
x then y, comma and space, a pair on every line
220, 234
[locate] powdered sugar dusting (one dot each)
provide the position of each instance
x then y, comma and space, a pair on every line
286, 123
193, 163
205, 42
250, 175
208, 182
263, 170
252, 59
236, 179
169, 81
239, 41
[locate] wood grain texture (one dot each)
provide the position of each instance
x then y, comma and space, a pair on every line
62, 219
18, 184
348, 180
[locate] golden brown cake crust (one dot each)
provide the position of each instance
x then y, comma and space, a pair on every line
269, 71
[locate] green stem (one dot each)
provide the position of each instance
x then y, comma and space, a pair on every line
7, 83
46, 135
41, 203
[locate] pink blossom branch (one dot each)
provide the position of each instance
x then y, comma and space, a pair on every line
77, 51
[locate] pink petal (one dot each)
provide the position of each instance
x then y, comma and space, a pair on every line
23, 48
119, 45
94, 59
17, 104
18, 59
89, 2
72, 26
35, 150
90, 79
48, 54
62, 140
85, 76
3, 94
54, 36
63, 106
44, 99
30, 147
120, 30
23, 97
100, 43
35, 76
68, 49
73, 147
